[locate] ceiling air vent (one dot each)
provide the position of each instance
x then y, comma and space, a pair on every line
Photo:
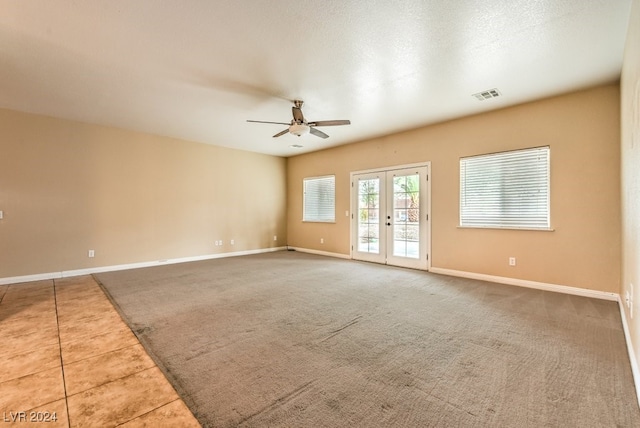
485, 95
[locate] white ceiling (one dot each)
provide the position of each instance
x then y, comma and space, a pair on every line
197, 69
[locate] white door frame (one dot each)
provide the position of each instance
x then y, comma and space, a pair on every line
425, 211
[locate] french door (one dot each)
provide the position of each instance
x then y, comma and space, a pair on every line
390, 221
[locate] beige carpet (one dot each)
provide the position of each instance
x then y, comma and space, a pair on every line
289, 339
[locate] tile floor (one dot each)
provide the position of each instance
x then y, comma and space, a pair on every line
66, 351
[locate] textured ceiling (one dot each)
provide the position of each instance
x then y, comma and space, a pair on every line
197, 69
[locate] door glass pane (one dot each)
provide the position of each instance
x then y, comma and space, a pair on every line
369, 215
406, 215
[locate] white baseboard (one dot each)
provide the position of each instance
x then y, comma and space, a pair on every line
529, 284
89, 271
635, 370
320, 253
30, 278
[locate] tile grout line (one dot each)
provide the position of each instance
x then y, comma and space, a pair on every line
64, 384
105, 353
114, 380
150, 411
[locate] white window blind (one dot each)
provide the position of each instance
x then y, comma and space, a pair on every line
319, 199
506, 190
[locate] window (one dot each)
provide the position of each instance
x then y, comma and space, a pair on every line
319, 199
506, 190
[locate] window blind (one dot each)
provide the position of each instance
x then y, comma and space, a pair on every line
319, 199
506, 190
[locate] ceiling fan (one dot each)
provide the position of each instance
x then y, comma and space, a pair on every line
299, 125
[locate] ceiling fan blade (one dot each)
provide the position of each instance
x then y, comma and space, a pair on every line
317, 133
281, 133
262, 121
330, 123
297, 114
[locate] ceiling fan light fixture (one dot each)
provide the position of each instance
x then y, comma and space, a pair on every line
299, 125
299, 129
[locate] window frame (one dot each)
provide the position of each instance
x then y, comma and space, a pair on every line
499, 220
318, 218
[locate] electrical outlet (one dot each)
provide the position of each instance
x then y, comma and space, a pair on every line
322, 240
92, 253
1, 215
512, 261
232, 242
275, 237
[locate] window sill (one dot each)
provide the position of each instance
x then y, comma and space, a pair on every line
534, 229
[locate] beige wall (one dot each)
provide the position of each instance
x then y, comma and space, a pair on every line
583, 131
67, 187
630, 101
